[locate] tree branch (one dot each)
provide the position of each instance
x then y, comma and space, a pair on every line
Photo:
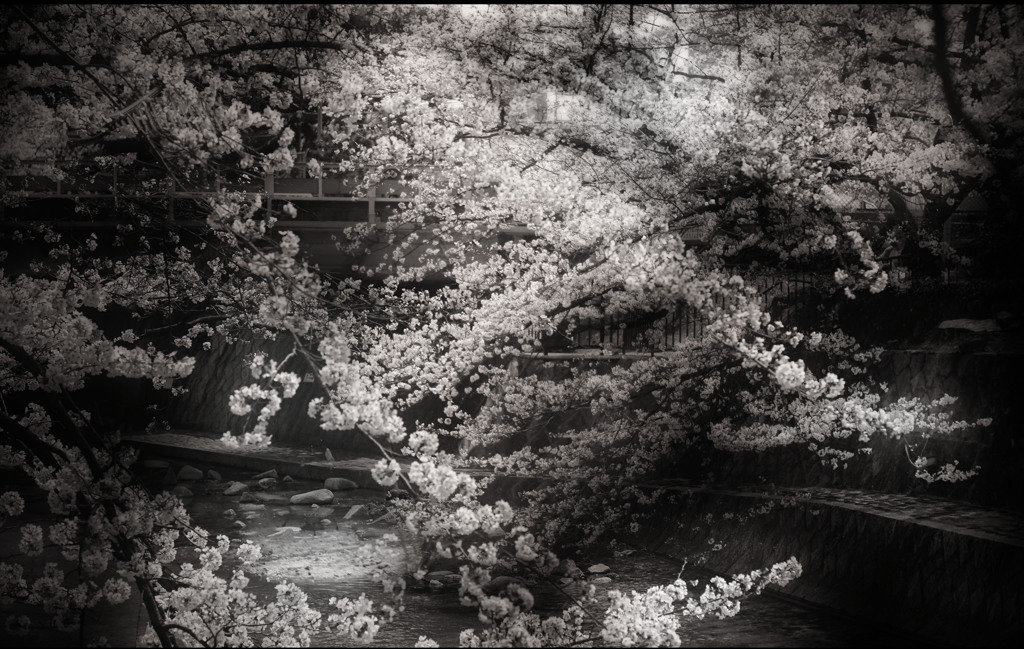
28, 440
690, 75
945, 72
271, 46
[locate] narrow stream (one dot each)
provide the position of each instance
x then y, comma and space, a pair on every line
324, 560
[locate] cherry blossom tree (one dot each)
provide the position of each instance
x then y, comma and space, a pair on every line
605, 135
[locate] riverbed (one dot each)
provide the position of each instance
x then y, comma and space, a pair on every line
324, 558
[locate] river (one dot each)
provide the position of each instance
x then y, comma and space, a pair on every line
324, 561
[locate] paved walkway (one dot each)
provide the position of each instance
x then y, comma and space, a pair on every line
997, 525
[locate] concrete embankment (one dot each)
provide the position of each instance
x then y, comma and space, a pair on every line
936, 569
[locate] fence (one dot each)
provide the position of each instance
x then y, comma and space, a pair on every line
790, 297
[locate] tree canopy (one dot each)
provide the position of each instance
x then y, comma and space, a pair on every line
791, 138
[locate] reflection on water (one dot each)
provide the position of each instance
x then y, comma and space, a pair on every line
325, 561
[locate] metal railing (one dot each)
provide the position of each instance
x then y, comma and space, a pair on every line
789, 297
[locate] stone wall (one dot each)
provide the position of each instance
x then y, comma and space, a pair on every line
949, 587
985, 385
224, 368
984, 382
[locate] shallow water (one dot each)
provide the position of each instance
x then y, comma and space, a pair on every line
325, 562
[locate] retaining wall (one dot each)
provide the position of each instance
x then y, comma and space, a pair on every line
947, 587
985, 385
223, 369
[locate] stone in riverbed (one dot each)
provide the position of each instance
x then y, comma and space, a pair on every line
272, 473
339, 484
156, 464
598, 568
181, 491
189, 472
443, 576
213, 476
267, 483
317, 496
236, 488
970, 325
273, 499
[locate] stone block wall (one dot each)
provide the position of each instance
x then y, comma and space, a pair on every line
944, 586
223, 369
986, 386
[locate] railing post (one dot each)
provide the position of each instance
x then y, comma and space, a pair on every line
170, 199
268, 189
371, 196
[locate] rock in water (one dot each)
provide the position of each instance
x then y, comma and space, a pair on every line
273, 499
272, 473
339, 484
189, 472
397, 494
317, 496
329, 455
970, 325
500, 584
236, 488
